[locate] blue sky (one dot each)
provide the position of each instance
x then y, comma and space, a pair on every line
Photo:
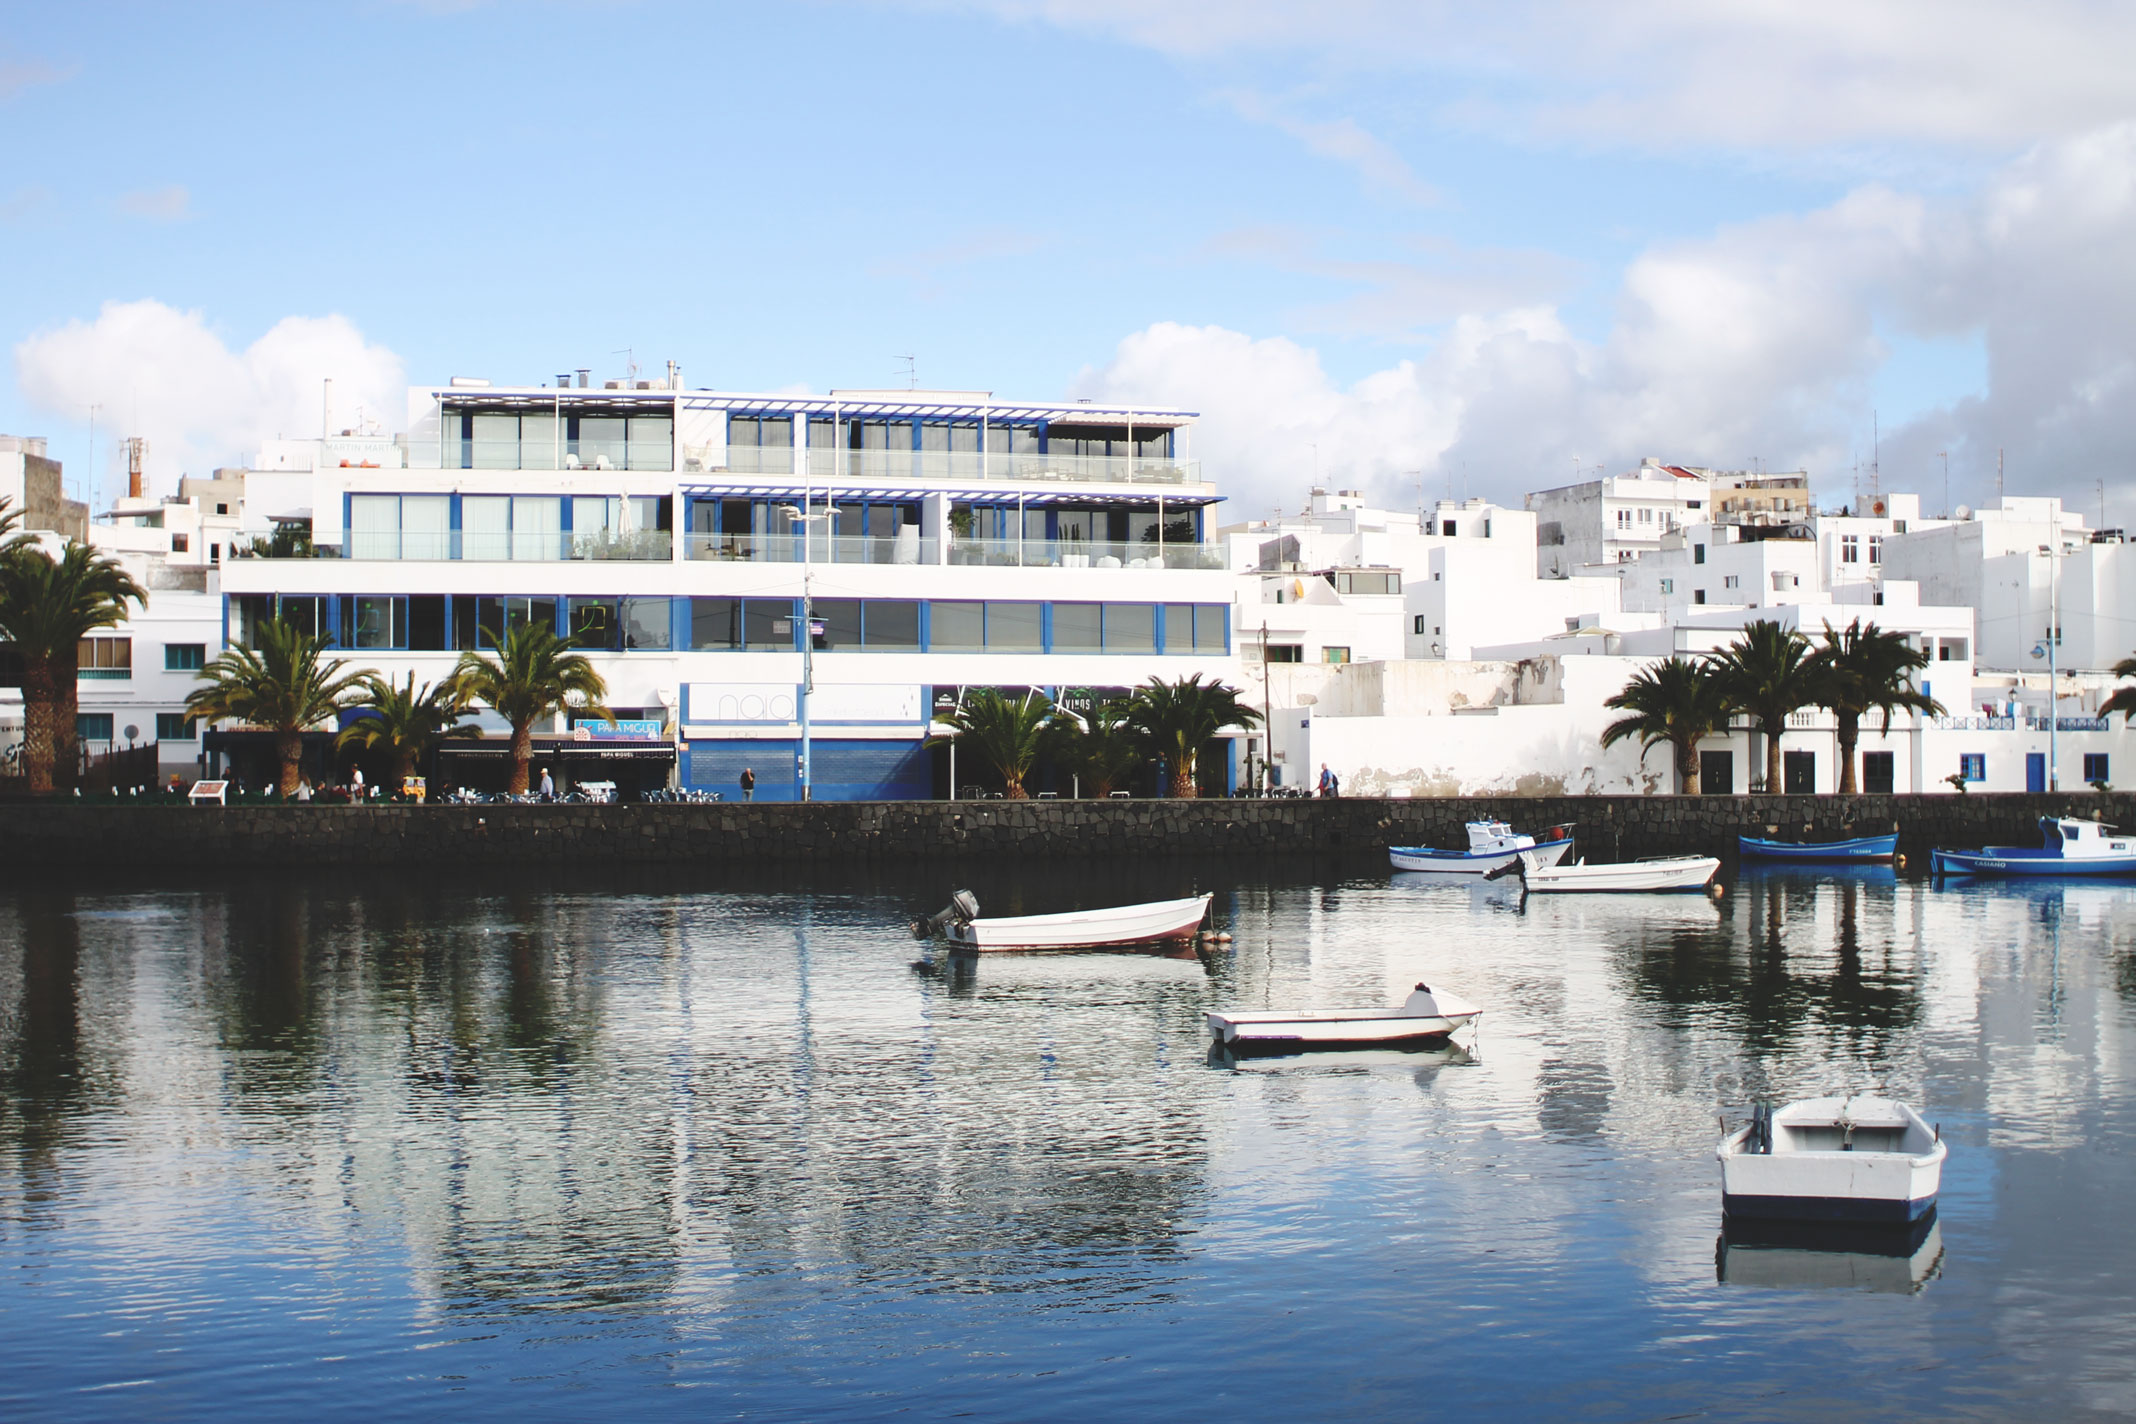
1412, 238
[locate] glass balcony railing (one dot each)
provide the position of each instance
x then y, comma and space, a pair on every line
895, 466
545, 455
786, 549
641, 546
1083, 554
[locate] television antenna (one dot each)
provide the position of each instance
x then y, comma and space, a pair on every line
912, 371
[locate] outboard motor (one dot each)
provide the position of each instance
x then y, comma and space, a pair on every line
963, 907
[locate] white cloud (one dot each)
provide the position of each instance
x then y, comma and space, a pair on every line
1382, 169
161, 373
1681, 74
1758, 343
168, 204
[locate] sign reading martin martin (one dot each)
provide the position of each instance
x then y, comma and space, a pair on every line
593, 729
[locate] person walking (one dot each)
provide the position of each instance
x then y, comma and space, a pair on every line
548, 786
356, 784
1327, 780
748, 784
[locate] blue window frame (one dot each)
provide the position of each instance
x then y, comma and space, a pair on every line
92, 726
2096, 767
1973, 766
176, 727
184, 657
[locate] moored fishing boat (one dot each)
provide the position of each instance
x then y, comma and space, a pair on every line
2074, 846
1073, 929
1665, 873
1426, 1013
1493, 845
1851, 1159
1862, 850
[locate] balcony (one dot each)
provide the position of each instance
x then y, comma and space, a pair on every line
786, 549
961, 466
1083, 554
642, 546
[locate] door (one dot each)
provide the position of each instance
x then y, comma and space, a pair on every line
1798, 771
1716, 773
2035, 771
1877, 773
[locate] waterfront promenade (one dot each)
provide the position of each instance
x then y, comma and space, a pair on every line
58, 835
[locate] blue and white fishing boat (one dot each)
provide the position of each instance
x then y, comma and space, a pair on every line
2073, 847
1862, 850
1493, 845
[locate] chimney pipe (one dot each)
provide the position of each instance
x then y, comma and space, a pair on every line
584, 374
136, 447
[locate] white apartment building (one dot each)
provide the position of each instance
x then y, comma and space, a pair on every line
1618, 518
922, 542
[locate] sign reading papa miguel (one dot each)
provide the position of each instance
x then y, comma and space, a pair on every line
593, 729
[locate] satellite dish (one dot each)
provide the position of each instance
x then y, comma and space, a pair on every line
1965, 511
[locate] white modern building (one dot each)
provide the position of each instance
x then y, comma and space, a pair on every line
753, 573
1617, 518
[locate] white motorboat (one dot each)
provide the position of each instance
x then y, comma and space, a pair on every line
1851, 1159
1426, 1013
1677, 872
1493, 845
1073, 929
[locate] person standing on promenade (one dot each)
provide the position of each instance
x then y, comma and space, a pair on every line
748, 784
1327, 780
356, 784
548, 786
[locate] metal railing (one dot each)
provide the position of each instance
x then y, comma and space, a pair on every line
786, 549
584, 454
897, 466
1083, 554
641, 546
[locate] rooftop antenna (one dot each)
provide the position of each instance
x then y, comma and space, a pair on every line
1876, 451
912, 371
1998, 475
630, 365
90, 477
2102, 503
1946, 482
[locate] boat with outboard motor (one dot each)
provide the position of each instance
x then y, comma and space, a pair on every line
1493, 845
1683, 873
1074, 929
1851, 1159
1426, 1013
2074, 846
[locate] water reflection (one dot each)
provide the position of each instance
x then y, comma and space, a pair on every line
1793, 1257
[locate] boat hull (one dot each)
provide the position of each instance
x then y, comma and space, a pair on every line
1865, 1161
1083, 929
2020, 861
1689, 874
1465, 862
1245, 1032
1864, 850
1863, 1211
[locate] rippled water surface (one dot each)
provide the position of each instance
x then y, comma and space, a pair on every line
345, 1148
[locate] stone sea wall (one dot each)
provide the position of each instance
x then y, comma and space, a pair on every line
37, 837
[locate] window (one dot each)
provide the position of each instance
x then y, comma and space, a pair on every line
92, 726
497, 618
1014, 627
1076, 627
1446, 527
1698, 553
956, 627
715, 624
595, 624
1951, 650
2095, 767
890, 625
426, 622
768, 625
184, 657
1352, 581
1130, 627
1285, 653
1624, 519
1194, 628
1668, 586
104, 658
1850, 548
1877, 773
176, 727
1333, 654
835, 625
1730, 580
1417, 625
1973, 766
1876, 548
1698, 595
373, 622
1646, 516
180, 543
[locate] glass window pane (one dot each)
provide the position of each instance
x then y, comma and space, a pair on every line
426, 526
652, 442
1209, 628
715, 624
590, 514
777, 430
646, 625
893, 625
537, 442
840, 618
1075, 628
1179, 627
367, 622
956, 627
485, 527
1130, 627
768, 625
601, 444
594, 623
496, 442
426, 622
1012, 627
374, 526
744, 430
536, 523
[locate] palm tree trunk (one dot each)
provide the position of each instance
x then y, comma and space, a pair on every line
522, 753
41, 743
1183, 785
1850, 732
1012, 787
1687, 768
1773, 728
289, 747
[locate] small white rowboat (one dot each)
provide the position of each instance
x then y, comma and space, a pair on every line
1426, 1013
1682, 872
1492, 846
1081, 929
1858, 1159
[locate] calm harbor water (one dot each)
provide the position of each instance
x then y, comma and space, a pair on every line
351, 1148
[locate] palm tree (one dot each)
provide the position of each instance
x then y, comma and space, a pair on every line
2124, 698
47, 606
1009, 734
1766, 674
533, 674
1677, 701
1104, 751
1862, 669
1178, 717
281, 684
404, 723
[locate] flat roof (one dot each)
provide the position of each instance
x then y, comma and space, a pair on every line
952, 405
